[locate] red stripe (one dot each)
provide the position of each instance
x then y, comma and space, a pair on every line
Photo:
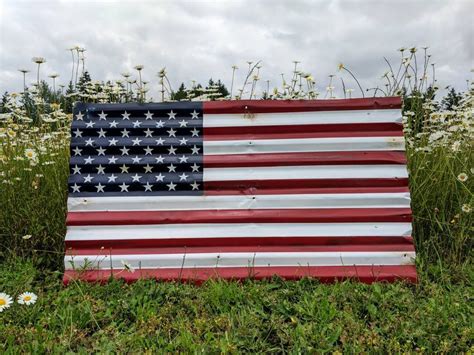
330, 215
235, 187
309, 190
264, 106
303, 131
233, 241
295, 159
244, 249
326, 274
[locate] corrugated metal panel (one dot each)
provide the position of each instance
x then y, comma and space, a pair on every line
294, 188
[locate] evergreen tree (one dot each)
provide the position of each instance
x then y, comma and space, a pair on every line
181, 94
451, 100
3, 104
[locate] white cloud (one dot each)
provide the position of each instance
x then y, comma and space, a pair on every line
200, 39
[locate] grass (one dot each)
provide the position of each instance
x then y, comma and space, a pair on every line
220, 316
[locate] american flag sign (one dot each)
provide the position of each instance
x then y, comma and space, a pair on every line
236, 189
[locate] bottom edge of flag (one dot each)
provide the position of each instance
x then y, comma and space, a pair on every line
325, 274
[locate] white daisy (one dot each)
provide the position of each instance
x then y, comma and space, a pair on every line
462, 177
27, 298
5, 301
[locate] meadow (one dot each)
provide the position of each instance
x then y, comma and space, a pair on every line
221, 316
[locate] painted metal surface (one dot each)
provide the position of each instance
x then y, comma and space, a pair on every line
293, 188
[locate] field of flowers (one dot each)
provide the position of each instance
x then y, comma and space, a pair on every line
34, 154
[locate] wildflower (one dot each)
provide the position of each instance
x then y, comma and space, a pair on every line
31, 154
38, 60
27, 298
27, 236
127, 266
139, 67
462, 177
5, 301
466, 208
11, 133
455, 146
340, 66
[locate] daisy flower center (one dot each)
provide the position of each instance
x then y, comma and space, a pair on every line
27, 298
2, 302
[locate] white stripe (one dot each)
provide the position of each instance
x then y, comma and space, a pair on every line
305, 172
245, 230
247, 259
302, 118
288, 201
304, 145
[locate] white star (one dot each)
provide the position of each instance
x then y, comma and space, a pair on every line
100, 151
149, 115
148, 168
195, 150
90, 124
100, 187
148, 150
79, 116
183, 123
77, 151
195, 168
159, 177
101, 133
160, 124
125, 133
112, 178
171, 186
88, 160
172, 115
136, 160
160, 141
194, 114
136, 124
113, 141
183, 159
125, 116
76, 188
136, 177
88, 178
172, 132
172, 150
124, 169
77, 170
102, 115
78, 133
183, 141
136, 141
183, 177
195, 185
112, 160
89, 142
147, 186
195, 133
148, 133
124, 188
171, 168
100, 169
124, 150
160, 159
113, 124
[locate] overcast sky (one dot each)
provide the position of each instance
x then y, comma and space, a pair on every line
202, 39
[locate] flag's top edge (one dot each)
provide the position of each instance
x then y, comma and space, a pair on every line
254, 106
